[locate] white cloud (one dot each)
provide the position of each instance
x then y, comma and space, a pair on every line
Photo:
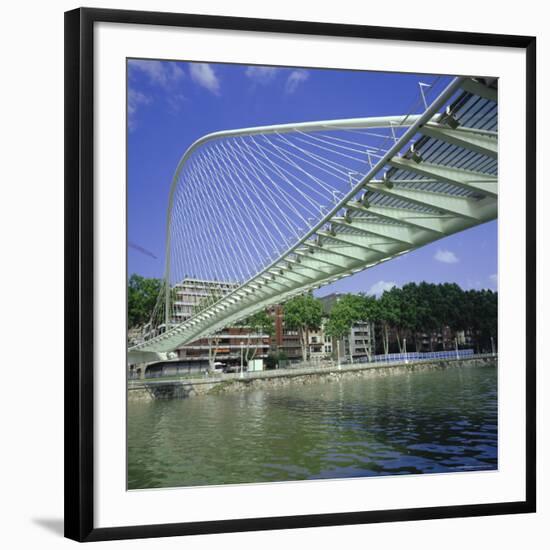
161, 73
472, 284
377, 289
295, 78
261, 75
204, 75
176, 102
135, 99
494, 279
446, 257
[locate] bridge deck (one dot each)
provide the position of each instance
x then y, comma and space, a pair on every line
439, 177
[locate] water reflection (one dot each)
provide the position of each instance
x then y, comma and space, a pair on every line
411, 423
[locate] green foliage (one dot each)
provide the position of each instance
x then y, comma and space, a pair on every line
143, 293
347, 311
390, 306
261, 323
481, 307
418, 310
273, 358
371, 309
425, 308
303, 313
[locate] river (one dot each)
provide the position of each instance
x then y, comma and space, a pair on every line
411, 423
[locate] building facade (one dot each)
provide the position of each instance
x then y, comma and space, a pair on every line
223, 349
358, 344
192, 294
226, 348
320, 345
285, 342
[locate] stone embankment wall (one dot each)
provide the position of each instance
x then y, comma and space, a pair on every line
148, 390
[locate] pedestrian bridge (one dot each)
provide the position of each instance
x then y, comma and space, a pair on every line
263, 214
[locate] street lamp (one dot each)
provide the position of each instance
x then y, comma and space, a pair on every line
456, 347
405, 348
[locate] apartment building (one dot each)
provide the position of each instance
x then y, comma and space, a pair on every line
358, 344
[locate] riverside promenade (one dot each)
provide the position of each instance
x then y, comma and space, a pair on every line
217, 383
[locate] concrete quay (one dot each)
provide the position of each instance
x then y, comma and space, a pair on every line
214, 384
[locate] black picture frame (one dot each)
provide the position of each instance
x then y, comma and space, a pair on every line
79, 270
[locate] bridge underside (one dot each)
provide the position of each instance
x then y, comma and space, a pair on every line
438, 178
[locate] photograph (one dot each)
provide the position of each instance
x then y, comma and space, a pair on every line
291, 268
312, 274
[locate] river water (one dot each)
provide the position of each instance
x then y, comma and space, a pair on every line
411, 423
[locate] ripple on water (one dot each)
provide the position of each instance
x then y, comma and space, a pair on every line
421, 423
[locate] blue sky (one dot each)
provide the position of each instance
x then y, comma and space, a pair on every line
171, 104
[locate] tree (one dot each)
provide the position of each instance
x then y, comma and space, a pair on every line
451, 306
347, 311
489, 326
275, 358
259, 323
404, 312
213, 342
370, 312
143, 293
482, 317
389, 314
303, 313
426, 308
428, 312
344, 314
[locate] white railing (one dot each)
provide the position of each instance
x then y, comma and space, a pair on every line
415, 356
